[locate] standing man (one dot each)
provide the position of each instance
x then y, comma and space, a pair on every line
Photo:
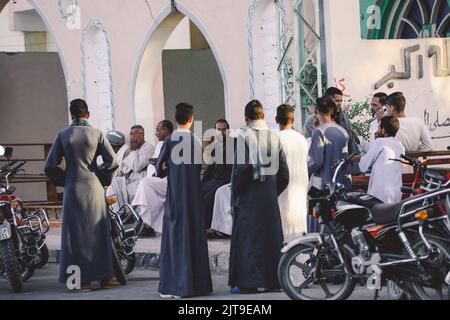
377, 103
86, 238
293, 201
379, 160
329, 144
342, 119
260, 175
184, 262
413, 134
217, 173
151, 192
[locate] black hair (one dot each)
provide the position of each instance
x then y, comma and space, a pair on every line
382, 97
398, 101
79, 108
167, 124
184, 111
254, 110
391, 125
139, 127
325, 105
223, 121
333, 91
285, 113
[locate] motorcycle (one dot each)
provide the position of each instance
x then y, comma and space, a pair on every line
22, 238
364, 240
125, 226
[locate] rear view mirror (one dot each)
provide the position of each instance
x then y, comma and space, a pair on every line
2, 151
8, 152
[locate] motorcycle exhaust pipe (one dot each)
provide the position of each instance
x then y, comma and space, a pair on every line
32, 251
396, 263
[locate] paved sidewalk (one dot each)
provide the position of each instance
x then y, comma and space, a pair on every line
148, 249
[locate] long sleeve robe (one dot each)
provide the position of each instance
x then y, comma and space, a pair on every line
257, 235
86, 238
184, 262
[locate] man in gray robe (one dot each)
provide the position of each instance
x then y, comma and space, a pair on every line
260, 175
86, 238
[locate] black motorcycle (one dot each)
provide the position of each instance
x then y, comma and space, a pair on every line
125, 226
364, 240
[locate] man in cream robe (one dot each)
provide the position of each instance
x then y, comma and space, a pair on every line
151, 192
293, 200
134, 168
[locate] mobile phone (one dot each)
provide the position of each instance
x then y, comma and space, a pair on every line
385, 109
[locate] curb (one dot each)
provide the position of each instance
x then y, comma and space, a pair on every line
218, 262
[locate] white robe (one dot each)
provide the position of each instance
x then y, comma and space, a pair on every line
149, 201
151, 168
293, 200
386, 177
134, 169
222, 220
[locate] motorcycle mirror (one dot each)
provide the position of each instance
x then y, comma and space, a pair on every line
8, 152
2, 151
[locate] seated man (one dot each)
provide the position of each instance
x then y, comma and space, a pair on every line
218, 172
151, 192
222, 219
134, 168
117, 141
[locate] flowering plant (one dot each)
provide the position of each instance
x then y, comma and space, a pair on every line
360, 114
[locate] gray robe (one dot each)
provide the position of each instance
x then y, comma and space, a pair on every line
257, 236
184, 262
86, 239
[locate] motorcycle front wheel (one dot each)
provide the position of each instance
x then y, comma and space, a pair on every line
10, 267
440, 290
305, 276
128, 263
42, 259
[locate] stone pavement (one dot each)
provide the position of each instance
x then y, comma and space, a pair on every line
147, 251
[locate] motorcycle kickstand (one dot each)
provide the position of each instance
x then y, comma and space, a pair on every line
376, 295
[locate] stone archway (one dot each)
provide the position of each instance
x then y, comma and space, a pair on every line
149, 60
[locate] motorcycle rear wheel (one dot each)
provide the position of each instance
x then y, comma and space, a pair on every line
303, 284
10, 266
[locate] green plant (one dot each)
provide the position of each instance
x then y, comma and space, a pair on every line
360, 114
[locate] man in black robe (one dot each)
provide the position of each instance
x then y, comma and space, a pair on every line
184, 262
260, 174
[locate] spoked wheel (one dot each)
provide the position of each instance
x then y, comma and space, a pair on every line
305, 276
437, 288
395, 292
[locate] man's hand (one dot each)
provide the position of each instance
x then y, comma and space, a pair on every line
152, 161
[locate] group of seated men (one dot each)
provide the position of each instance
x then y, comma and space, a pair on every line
137, 184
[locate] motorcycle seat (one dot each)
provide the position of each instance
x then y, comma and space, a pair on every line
386, 213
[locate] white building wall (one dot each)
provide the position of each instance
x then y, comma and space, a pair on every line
356, 65
10, 41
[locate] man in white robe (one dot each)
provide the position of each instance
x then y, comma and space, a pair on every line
222, 220
293, 200
118, 143
134, 168
151, 192
386, 174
